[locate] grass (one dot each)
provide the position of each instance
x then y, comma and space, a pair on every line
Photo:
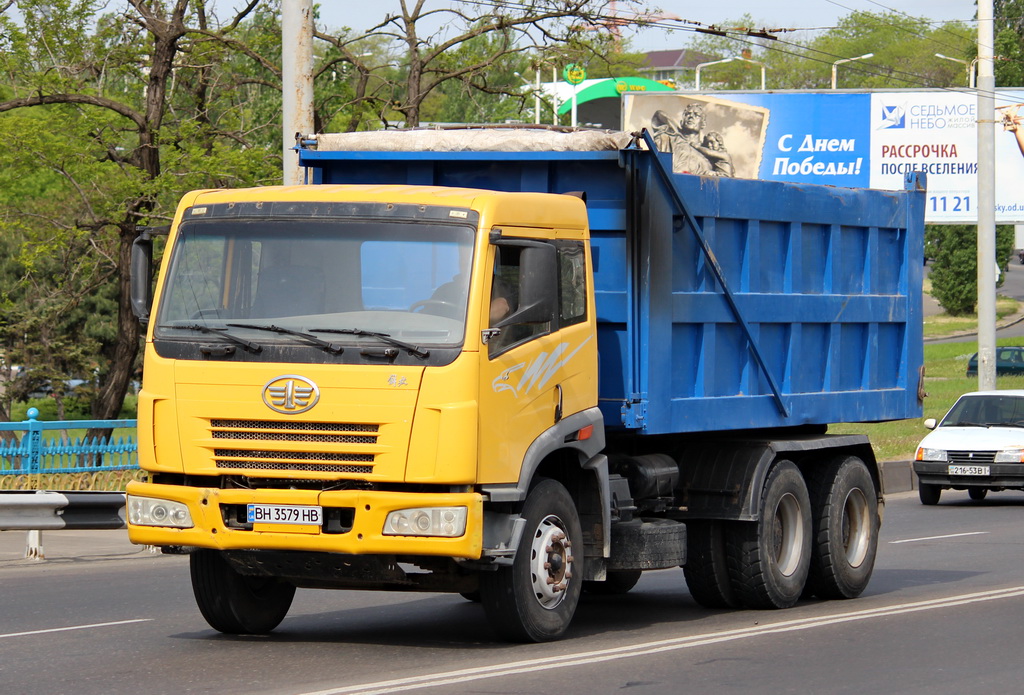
944, 324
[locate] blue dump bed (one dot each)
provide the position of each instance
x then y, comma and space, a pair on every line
723, 304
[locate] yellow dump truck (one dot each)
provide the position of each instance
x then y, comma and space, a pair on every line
517, 374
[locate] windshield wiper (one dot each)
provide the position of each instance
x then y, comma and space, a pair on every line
328, 346
222, 332
413, 349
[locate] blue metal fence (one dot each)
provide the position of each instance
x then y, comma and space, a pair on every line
31, 453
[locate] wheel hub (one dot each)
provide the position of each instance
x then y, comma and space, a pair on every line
787, 535
550, 562
856, 527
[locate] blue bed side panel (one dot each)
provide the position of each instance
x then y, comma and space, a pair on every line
828, 281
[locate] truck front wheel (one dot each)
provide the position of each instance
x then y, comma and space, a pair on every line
534, 599
845, 510
235, 603
769, 558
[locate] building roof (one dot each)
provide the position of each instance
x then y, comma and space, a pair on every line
676, 58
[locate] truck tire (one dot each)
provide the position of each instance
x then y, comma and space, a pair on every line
534, 599
929, 493
706, 569
977, 493
647, 544
769, 558
844, 511
619, 582
235, 603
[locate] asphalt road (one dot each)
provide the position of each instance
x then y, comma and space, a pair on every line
941, 615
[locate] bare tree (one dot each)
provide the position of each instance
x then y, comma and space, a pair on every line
515, 28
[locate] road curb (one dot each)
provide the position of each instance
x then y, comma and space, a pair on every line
1005, 323
897, 476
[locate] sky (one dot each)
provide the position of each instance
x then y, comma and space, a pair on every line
772, 14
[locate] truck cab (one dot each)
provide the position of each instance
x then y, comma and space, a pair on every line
355, 370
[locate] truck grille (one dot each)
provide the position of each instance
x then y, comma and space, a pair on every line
236, 438
971, 457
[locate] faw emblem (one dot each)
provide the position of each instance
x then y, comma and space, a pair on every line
290, 394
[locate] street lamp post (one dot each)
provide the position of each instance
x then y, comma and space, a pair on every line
536, 95
700, 66
969, 65
847, 60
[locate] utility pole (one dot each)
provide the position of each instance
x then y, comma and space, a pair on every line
296, 81
986, 198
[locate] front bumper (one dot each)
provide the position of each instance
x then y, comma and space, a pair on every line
1001, 475
363, 533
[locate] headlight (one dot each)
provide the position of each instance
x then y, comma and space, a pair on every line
1010, 456
446, 522
146, 511
924, 454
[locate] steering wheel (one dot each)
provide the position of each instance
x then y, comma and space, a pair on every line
438, 307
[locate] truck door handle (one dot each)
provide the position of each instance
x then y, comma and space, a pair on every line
558, 406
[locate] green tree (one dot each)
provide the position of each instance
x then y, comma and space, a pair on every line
731, 39
136, 111
1009, 37
954, 272
904, 51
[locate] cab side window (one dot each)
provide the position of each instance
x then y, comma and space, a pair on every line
568, 293
505, 294
572, 284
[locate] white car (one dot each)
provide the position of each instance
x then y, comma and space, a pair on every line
978, 446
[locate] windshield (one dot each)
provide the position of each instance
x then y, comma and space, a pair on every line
271, 279
985, 411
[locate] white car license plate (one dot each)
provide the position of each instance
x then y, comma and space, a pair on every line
284, 514
968, 470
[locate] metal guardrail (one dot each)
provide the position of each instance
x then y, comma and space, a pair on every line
48, 510
41, 510
32, 453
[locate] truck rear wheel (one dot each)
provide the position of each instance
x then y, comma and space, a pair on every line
769, 558
235, 603
534, 599
845, 514
706, 569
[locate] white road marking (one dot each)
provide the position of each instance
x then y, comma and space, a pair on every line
646, 648
935, 538
74, 627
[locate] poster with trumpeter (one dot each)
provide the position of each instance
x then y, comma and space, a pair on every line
706, 135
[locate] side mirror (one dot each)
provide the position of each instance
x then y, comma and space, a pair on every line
142, 272
141, 276
930, 423
537, 285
